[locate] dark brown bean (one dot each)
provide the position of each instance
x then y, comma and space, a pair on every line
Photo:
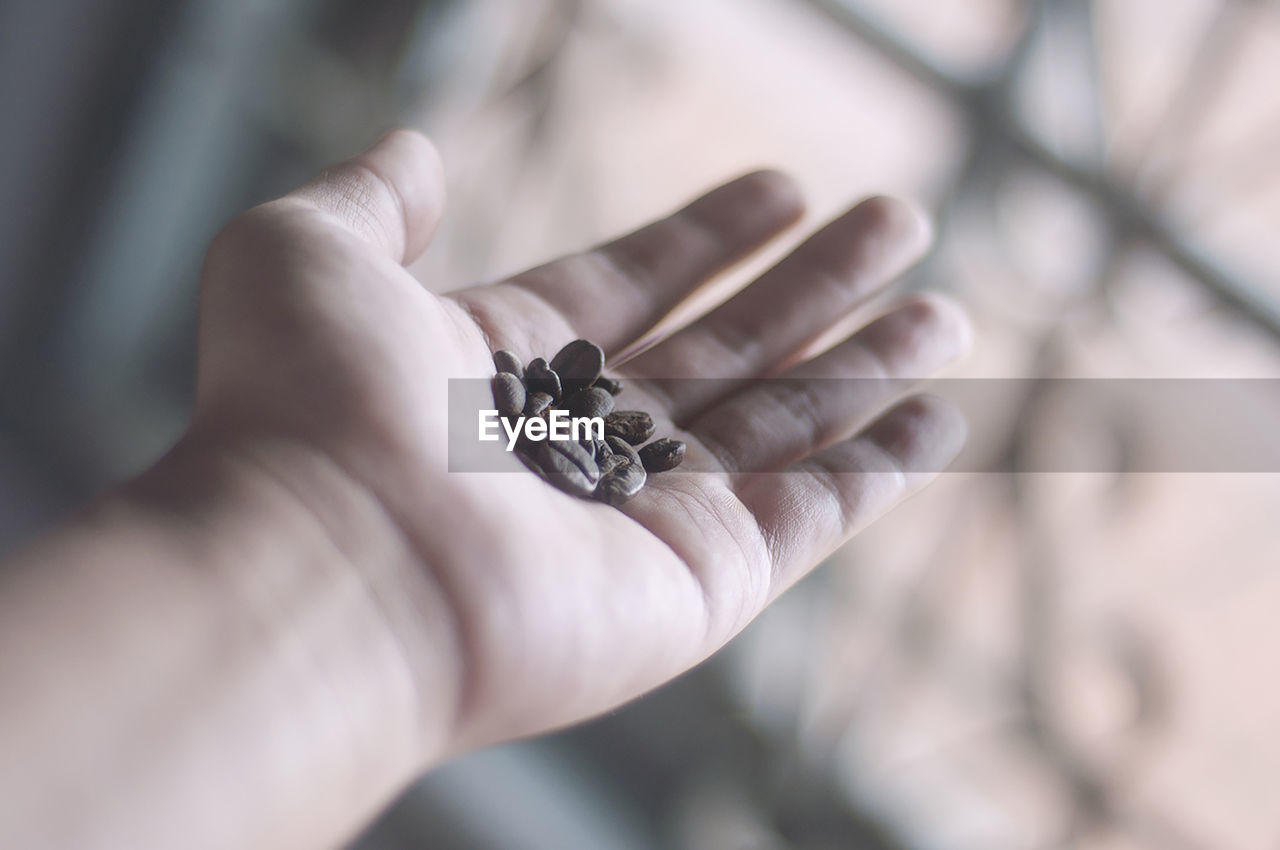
525, 450
611, 469
578, 364
610, 385
506, 361
634, 426
568, 466
621, 447
661, 455
541, 378
622, 482
508, 395
591, 402
524, 444
537, 404
608, 463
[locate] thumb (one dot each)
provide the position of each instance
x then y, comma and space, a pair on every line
391, 195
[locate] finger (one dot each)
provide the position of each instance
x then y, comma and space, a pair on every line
757, 330
614, 293
777, 421
391, 195
813, 506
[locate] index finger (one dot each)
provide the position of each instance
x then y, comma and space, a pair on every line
615, 292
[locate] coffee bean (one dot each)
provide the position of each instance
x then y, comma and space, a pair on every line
622, 482
567, 465
505, 361
609, 385
508, 395
537, 403
525, 450
525, 445
634, 426
578, 364
661, 455
621, 447
541, 378
599, 450
591, 402
610, 469
608, 463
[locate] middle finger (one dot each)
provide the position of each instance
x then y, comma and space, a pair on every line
759, 329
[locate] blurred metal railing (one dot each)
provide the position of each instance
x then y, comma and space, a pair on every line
995, 125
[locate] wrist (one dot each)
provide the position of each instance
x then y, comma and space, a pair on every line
357, 637
238, 617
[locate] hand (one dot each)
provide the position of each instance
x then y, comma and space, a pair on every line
323, 367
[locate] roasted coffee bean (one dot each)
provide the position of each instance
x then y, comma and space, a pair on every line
541, 378
591, 402
508, 395
610, 469
568, 466
622, 482
505, 361
578, 364
525, 445
525, 450
661, 455
610, 385
537, 403
609, 462
621, 447
634, 426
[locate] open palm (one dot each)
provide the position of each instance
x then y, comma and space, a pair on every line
324, 362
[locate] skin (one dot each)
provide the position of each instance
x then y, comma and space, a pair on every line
262, 639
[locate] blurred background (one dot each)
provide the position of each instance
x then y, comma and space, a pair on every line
1013, 659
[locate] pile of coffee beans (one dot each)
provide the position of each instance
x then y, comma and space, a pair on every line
611, 470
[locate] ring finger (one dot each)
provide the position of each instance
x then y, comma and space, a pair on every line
777, 421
